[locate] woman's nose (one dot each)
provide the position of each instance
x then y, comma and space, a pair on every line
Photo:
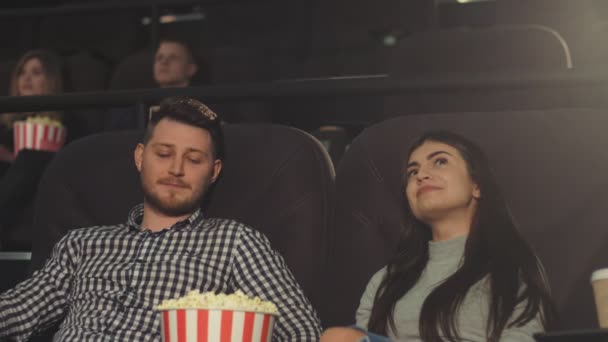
422, 174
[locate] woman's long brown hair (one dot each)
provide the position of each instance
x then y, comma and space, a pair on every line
50, 64
52, 69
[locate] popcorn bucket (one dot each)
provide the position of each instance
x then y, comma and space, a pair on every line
38, 136
216, 325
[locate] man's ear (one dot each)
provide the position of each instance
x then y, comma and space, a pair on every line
192, 69
217, 169
138, 155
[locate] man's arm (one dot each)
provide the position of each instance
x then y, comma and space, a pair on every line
259, 270
40, 301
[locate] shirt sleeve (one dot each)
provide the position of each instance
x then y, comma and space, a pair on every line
261, 271
40, 301
367, 299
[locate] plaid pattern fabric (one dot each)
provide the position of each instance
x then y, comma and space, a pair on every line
104, 282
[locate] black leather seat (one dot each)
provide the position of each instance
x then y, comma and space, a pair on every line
275, 178
531, 48
551, 165
134, 71
478, 54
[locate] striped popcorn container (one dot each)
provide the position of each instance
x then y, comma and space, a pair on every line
216, 325
38, 136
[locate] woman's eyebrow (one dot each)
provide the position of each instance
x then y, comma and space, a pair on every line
430, 156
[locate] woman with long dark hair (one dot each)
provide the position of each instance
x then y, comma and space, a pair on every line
462, 271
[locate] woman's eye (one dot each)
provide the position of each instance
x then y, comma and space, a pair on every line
163, 155
195, 161
411, 173
441, 161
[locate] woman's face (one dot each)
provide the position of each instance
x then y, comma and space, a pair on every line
32, 79
439, 185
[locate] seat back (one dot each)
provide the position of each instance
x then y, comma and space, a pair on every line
478, 54
134, 71
6, 69
113, 34
87, 72
593, 54
276, 179
551, 165
495, 49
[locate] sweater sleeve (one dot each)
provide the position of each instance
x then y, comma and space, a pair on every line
367, 300
524, 333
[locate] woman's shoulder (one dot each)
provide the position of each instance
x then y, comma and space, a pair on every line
376, 279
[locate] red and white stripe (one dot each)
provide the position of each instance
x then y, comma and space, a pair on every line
191, 325
37, 136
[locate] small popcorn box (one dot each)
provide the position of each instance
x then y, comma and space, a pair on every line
42, 136
216, 325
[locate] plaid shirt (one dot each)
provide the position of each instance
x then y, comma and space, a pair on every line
105, 282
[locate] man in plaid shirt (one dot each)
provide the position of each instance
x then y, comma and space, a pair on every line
103, 283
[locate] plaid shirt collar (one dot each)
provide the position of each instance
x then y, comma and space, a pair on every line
136, 215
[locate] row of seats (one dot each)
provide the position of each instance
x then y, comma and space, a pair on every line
336, 229
226, 22
117, 31
522, 49
493, 49
335, 42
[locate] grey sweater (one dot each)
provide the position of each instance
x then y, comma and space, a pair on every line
444, 259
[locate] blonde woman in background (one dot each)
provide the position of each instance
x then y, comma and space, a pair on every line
38, 72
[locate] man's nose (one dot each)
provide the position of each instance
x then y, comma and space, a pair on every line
177, 167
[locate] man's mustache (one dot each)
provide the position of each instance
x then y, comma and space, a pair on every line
173, 181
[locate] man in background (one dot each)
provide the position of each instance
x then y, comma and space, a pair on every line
174, 66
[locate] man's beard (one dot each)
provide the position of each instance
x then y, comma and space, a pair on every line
172, 208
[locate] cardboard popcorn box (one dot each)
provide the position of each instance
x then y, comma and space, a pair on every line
216, 325
212, 317
38, 134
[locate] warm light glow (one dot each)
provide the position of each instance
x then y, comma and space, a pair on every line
173, 18
165, 19
469, 1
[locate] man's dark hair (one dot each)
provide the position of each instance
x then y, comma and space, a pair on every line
183, 42
191, 112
